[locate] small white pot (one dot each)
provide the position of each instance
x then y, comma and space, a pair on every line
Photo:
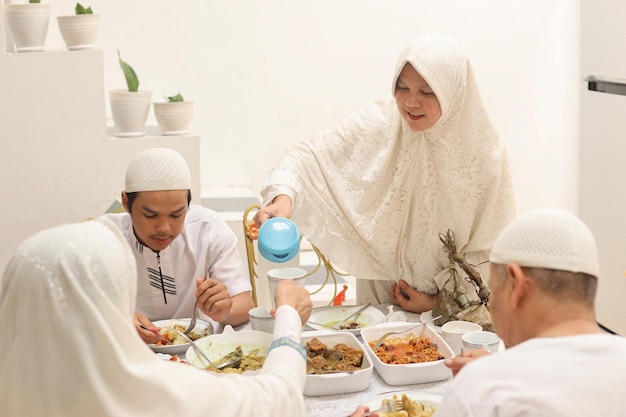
29, 25
130, 112
174, 118
79, 31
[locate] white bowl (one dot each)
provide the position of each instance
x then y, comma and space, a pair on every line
481, 340
203, 328
217, 346
414, 373
337, 383
261, 320
452, 332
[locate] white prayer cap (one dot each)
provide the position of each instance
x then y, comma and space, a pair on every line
548, 238
157, 169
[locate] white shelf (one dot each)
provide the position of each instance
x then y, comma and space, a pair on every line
59, 165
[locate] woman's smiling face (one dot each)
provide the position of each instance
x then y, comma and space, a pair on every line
416, 101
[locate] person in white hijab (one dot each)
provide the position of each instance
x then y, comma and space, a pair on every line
375, 192
69, 347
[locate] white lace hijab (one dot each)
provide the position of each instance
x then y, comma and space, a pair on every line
69, 347
374, 195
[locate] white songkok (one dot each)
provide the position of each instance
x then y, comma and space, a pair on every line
157, 169
548, 238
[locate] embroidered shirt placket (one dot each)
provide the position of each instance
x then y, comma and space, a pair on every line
161, 277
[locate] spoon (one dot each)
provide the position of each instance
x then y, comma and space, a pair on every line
356, 314
233, 363
386, 335
341, 325
192, 323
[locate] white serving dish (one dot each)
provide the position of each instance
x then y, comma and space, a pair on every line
324, 317
217, 346
341, 382
414, 373
203, 328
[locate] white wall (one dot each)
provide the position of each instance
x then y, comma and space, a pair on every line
602, 202
57, 163
268, 73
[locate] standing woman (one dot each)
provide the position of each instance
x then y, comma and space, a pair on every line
375, 192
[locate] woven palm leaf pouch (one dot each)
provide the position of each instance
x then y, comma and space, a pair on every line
461, 298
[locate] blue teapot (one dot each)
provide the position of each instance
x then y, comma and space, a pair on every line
279, 239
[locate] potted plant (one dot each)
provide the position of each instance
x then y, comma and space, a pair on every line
28, 24
80, 30
173, 115
130, 107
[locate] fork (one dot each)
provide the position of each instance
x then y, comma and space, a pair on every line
389, 406
337, 326
386, 335
192, 323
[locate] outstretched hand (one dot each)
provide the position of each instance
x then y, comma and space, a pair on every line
280, 207
298, 297
459, 361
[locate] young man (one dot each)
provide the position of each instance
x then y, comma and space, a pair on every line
185, 253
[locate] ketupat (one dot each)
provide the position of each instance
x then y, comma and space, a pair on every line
453, 301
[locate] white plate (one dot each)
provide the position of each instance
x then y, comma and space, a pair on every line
203, 328
218, 345
330, 316
427, 398
428, 315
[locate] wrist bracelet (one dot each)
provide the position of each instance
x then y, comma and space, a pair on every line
287, 341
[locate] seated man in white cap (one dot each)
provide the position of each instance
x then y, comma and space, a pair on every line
557, 362
177, 245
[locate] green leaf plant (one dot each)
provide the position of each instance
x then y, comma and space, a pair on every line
129, 73
34, 1
175, 99
81, 10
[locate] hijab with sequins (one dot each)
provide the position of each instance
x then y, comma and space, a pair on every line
69, 347
374, 195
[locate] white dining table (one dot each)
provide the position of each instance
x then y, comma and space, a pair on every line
344, 404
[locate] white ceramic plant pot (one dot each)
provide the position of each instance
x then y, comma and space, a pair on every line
174, 118
130, 112
29, 25
79, 31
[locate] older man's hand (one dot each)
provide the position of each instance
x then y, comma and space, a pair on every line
458, 362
